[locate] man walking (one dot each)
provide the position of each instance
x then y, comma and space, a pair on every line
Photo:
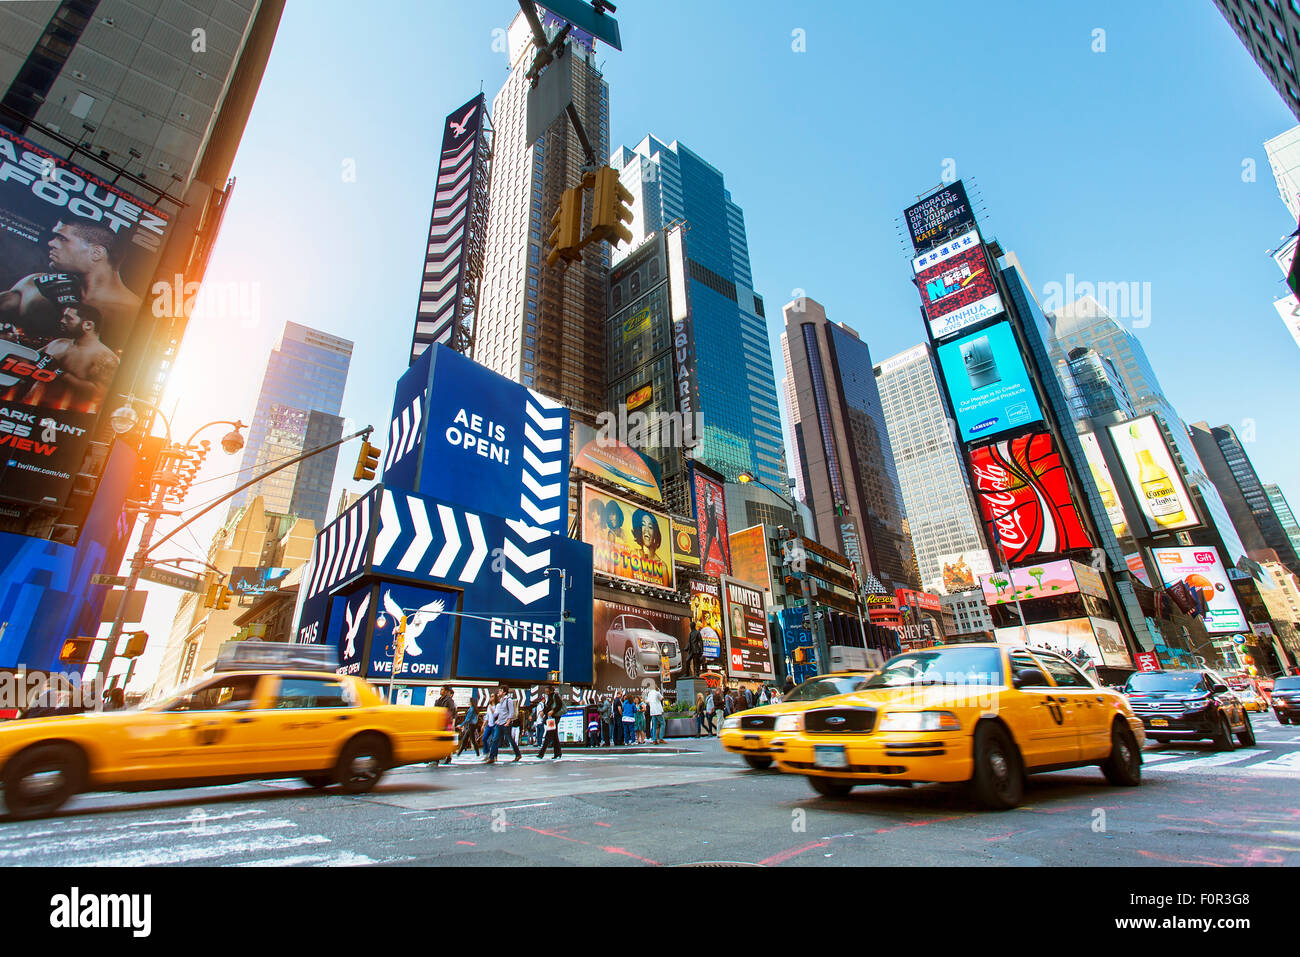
654, 700
606, 727
554, 707
507, 717
448, 701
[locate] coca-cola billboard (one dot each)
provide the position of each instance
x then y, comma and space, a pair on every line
1025, 499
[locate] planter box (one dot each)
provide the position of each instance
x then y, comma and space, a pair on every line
680, 727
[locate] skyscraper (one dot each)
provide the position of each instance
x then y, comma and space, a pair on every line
1282, 509
1086, 324
1265, 29
1093, 386
1242, 492
543, 326
297, 409
842, 444
941, 514
737, 384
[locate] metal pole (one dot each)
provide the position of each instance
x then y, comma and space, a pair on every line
564, 578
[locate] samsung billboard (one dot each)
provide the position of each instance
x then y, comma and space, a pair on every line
988, 384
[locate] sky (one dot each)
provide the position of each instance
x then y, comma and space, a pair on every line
1131, 155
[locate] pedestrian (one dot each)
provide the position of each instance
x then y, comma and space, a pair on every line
710, 708
539, 717
700, 723
593, 731
728, 704
507, 721
490, 729
639, 720
654, 702
553, 708
629, 719
787, 687
605, 710
447, 700
749, 696
469, 729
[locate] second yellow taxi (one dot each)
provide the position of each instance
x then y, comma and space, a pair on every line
749, 733
986, 715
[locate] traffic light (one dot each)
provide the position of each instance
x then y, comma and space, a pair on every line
135, 644
799, 656
609, 208
367, 462
566, 236
76, 651
223, 598
213, 593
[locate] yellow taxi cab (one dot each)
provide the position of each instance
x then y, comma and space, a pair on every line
749, 733
245, 723
983, 714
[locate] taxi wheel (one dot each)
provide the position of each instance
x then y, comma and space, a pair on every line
830, 787
1223, 735
757, 762
40, 780
362, 763
318, 780
1246, 737
999, 778
1123, 766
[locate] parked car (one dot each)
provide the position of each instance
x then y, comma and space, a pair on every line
1286, 699
1189, 705
637, 644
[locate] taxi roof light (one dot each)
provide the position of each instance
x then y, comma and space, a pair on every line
274, 656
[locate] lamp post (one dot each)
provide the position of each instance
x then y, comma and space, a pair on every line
564, 615
123, 420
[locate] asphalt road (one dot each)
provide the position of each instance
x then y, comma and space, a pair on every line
1195, 807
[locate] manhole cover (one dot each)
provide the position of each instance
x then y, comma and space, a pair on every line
719, 864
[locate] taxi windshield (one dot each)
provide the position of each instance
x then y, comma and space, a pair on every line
941, 666
1166, 681
826, 686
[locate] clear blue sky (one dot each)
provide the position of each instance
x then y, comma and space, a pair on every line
1117, 166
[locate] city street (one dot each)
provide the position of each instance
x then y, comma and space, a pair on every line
691, 803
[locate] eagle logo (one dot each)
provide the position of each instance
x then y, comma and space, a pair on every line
415, 623
354, 623
458, 129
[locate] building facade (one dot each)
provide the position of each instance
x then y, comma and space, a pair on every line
297, 409
941, 515
1270, 30
538, 325
841, 437
741, 421
1282, 509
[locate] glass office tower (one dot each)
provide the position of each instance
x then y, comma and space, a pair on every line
298, 409
737, 384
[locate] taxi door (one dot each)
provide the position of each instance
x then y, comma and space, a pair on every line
1041, 717
307, 720
211, 732
1092, 712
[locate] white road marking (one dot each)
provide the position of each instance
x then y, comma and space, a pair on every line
515, 807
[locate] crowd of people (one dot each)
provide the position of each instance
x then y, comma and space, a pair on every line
621, 719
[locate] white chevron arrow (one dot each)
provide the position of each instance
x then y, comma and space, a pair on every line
549, 424
538, 466
479, 550
542, 516
530, 564
538, 489
544, 402
526, 594
545, 446
423, 536
390, 528
452, 546
528, 533
415, 425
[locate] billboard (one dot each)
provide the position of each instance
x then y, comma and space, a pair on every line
956, 285
749, 557
937, 215
749, 649
1088, 642
427, 644
1152, 475
614, 461
686, 545
246, 580
1197, 583
1045, 580
1025, 500
76, 258
464, 434
988, 385
711, 522
1105, 484
961, 571
627, 541
629, 642
706, 615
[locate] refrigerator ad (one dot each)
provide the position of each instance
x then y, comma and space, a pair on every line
988, 384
